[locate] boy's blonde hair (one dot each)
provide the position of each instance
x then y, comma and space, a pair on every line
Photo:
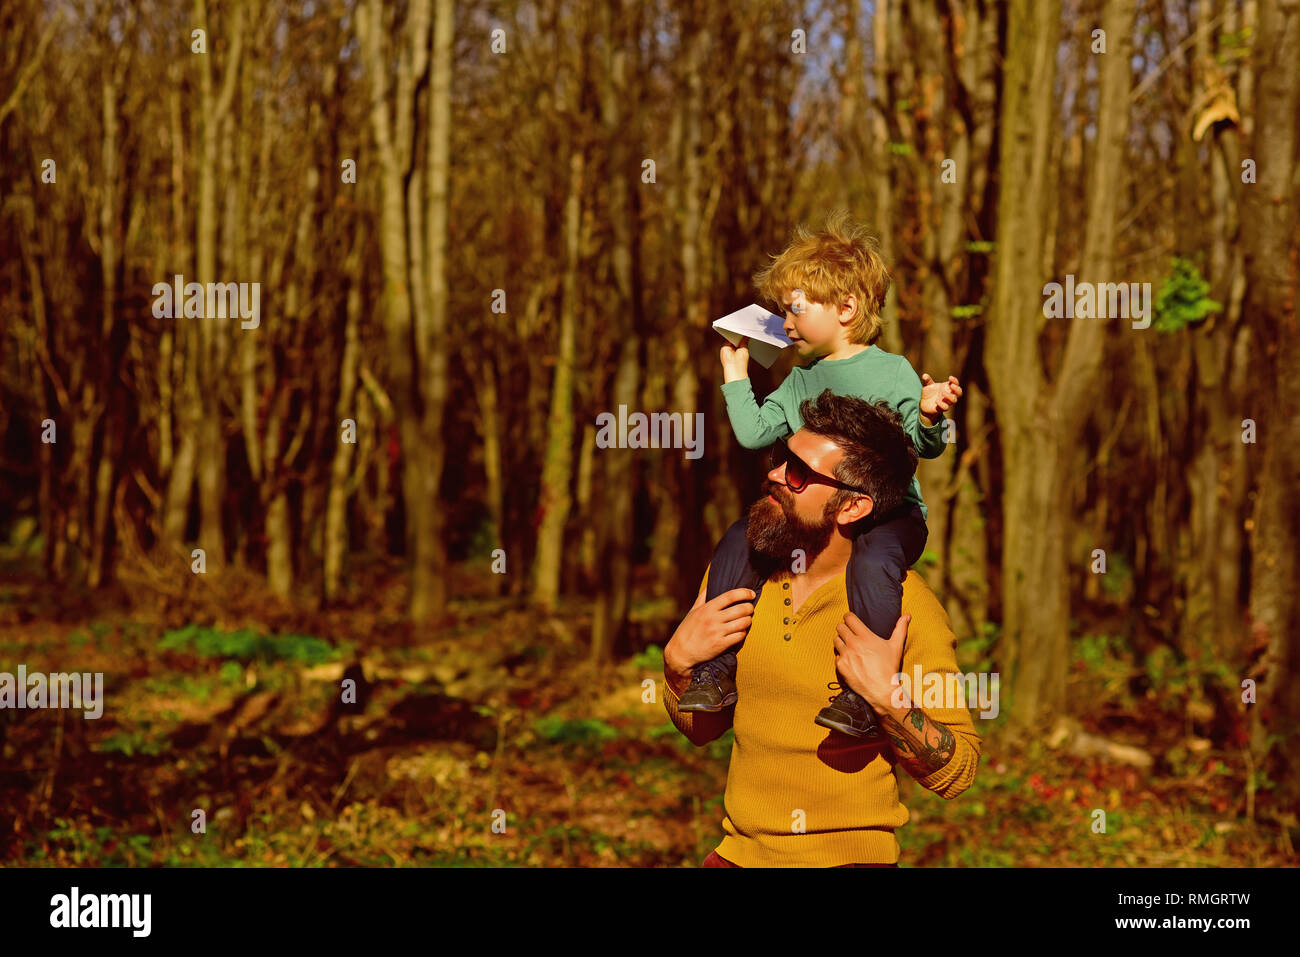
840, 261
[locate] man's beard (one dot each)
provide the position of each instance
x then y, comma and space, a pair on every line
775, 532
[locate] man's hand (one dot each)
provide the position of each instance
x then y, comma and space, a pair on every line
709, 629
938, 397
867, 662
735, 361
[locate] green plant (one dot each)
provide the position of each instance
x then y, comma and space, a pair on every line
231, 673
1096, 650
196, 687
1182, 300
1233, 46
131, 743
484, 541
1119, 575
977, 650
1165, 671
248, 645
649, 659
568, 731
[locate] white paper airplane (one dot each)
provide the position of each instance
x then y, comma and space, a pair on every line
766, 340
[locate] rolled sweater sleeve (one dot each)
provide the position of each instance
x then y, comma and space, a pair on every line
758, 426
931, 645
907, 392
699, 727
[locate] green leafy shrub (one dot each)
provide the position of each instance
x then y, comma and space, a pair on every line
131, 743
975, 651
581, 731
650, 659
1097, 650
248, 645
1183, 298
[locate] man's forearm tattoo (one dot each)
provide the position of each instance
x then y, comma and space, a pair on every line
923, 746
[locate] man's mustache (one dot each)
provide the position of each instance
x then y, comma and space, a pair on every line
778, 492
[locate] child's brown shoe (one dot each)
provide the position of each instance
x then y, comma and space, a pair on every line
850, 714
712, 687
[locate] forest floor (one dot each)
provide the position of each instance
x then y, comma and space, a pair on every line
479, 742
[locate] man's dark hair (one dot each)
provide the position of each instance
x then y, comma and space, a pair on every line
878, 455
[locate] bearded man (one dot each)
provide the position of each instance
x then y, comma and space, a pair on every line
799, 792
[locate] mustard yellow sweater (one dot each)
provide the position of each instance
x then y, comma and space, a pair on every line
799, 795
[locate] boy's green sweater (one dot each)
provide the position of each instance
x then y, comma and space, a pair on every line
872, 374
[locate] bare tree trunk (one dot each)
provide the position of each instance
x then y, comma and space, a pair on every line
882, 23
108, 257
172, 353
176, 509
49, 390
414, 229
490, 428
941, 208
1212, 616
613, 516
1269, 224
276, 456
967, 579
557, 468
677, 527
1041, 420
208, 344
428, 580
1011, 354
336, 508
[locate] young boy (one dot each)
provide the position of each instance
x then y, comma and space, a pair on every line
831, 286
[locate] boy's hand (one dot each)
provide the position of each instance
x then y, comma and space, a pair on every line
938, 397
735, 361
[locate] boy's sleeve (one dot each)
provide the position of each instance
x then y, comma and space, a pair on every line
931, 646
907, 394
758, 426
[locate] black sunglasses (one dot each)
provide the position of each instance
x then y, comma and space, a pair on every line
799, 474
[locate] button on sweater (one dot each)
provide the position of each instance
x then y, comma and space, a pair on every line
798, 794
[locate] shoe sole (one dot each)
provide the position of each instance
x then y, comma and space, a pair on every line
842, 728
727, 702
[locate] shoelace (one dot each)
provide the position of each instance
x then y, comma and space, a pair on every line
707, 670
840, 689
873, 725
